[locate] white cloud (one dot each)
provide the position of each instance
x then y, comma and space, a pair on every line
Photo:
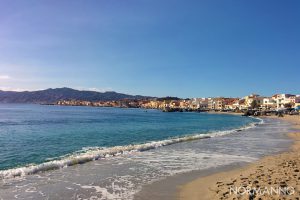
4, 77
14, 89
100, 89
94, 89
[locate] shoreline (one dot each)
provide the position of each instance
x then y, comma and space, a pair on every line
122, 178
169, 188
279, 170
225, 113
74, 159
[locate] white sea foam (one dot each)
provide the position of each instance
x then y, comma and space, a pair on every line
95, 153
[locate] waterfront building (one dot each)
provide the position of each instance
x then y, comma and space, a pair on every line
283, 99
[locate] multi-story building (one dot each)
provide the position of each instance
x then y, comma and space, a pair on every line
251, 98
199, 103
284, 99
269, 103
230, 103
297, 101
211, 104
217, 103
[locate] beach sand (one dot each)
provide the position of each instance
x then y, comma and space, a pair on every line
270, 174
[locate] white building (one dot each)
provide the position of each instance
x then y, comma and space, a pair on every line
269, 103
200, 103
283, 99
253, 97
297, 101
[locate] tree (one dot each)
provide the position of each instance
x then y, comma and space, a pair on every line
288, 105
254, 104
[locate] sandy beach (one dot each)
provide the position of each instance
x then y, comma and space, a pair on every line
272, 177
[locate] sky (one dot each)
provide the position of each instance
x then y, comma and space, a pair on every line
200, 48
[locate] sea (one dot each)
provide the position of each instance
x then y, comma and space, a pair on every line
73, 152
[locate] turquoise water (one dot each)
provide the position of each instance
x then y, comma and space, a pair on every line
33, 134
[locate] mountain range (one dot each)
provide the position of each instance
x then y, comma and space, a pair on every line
53, 95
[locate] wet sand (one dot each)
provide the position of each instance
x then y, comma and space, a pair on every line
277, 171
170, 188
167, 189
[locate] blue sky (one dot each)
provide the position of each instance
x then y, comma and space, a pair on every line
152, 47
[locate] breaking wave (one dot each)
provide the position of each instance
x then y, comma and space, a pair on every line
95, 153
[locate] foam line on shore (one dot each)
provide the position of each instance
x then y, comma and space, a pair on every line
96, 153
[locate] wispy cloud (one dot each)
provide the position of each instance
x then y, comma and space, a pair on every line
13, 89
4, 77
94, 89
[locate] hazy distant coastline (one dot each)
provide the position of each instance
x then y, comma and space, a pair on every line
50, 96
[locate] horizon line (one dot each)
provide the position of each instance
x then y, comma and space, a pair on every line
105, 91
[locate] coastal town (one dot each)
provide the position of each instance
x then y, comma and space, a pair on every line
251, 102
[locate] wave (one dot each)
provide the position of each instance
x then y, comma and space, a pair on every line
88, 154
